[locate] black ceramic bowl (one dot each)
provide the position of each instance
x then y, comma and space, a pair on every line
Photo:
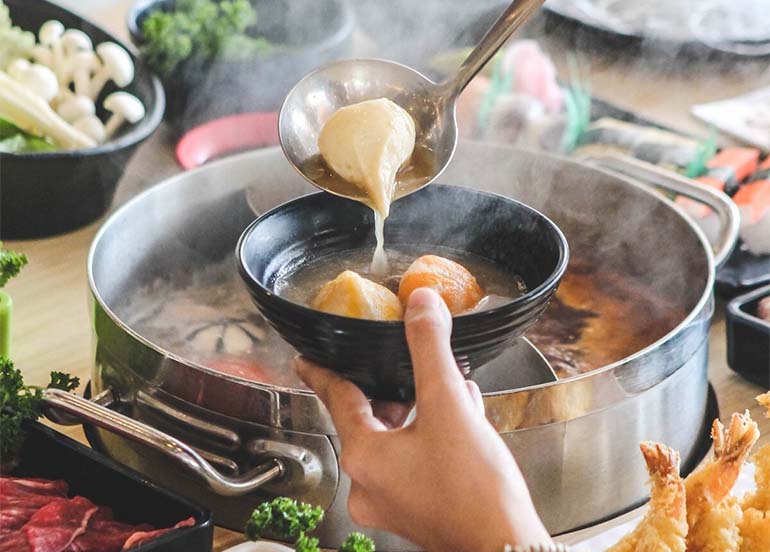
44, 194
374, 354
306, 34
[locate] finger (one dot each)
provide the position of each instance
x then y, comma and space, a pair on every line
360, 506
391, 414
349, 408
476, 397
428, 329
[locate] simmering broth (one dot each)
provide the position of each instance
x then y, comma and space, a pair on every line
208, 317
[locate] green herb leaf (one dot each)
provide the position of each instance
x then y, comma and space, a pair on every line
65, 382
306, 544
11, 264
357, 542
283, 518
20, 402
17, 403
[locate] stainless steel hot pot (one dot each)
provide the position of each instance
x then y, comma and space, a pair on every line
237, 442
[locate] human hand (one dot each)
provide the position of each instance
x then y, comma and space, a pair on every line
447, 481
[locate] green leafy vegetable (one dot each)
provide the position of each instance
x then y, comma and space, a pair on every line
283, 518
15, 140
14, 42
202, 29
357, 542
20, 402
11, 264
306, 544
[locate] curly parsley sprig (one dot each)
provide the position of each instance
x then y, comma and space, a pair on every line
20, 402
11, 264
285, 518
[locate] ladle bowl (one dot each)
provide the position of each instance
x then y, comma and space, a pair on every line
519, 240
319, 94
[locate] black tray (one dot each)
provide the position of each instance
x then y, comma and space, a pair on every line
49, 454
748, 338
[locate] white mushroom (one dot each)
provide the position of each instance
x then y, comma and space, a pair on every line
116, 66
124, 107
38, 79
42, 55
76, 108
64, 95
32, 114
73, 42
80, 68
49, 35
91, 126
17, 68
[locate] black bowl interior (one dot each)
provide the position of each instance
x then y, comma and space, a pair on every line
518, 239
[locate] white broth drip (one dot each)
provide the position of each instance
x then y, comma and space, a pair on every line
367, 144
380, 265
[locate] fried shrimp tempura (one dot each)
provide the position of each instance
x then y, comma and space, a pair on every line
755, 527
755, 531
664, 528
713, 516
760, 499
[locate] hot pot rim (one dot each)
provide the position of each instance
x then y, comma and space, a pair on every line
314, 403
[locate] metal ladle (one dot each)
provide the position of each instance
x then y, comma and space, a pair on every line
432, 106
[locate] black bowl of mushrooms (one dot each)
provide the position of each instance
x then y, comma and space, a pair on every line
74, 106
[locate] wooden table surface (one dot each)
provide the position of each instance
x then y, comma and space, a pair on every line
52, 327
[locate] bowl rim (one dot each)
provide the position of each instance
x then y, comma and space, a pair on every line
136, 134
345, 28
547, 286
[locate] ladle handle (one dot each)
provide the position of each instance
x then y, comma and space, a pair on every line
502, 29
725, 209
134, 430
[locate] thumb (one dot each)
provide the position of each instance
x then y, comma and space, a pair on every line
428, 329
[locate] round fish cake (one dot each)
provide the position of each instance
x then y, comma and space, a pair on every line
456, 285
353, 296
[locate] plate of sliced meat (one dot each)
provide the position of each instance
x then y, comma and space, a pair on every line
65, 497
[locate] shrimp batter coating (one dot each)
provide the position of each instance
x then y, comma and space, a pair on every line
664, 528
755, 527
713, 516
760, 499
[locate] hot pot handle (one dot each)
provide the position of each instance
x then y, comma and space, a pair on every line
129, 428
726, 210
